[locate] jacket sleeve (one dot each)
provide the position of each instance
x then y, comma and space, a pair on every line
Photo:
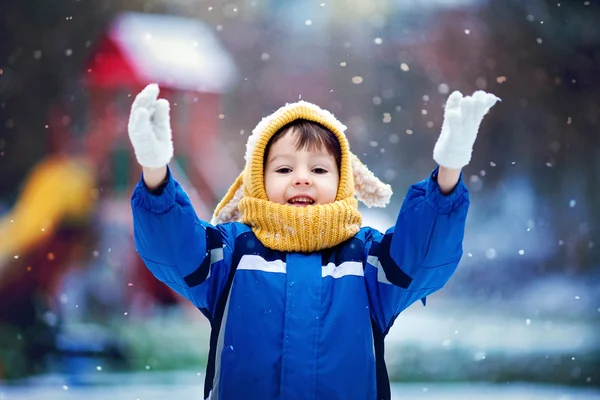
189, 255
420, 253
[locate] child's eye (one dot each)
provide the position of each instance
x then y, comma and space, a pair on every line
319, 171
283, 170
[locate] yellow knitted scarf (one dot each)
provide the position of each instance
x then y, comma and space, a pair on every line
303, 229
284, 227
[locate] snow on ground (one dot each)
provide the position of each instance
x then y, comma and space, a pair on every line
399, 391
451, 342
484, 329
464, 391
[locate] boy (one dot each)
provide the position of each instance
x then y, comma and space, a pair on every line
299, 296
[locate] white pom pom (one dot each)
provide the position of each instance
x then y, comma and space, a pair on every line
230, 211
369, 189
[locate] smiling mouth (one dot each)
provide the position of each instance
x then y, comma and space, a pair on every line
300, 201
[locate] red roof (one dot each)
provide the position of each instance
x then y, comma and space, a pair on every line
175, 52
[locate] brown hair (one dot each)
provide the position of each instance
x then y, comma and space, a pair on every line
311, 136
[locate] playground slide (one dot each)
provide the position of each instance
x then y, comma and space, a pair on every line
59, 188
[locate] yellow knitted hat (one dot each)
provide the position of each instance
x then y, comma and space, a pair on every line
355, 178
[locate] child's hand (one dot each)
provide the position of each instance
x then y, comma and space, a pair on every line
462, 118
150, 129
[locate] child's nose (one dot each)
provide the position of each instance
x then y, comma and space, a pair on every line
301, 179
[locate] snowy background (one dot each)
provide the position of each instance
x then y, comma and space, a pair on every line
81, 317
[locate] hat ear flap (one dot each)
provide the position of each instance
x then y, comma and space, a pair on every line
227, 210
368, 188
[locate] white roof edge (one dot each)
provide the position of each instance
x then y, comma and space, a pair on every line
176, 52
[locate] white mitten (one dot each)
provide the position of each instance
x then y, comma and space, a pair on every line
150, 128
462, 118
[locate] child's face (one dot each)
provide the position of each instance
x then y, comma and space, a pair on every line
300, 177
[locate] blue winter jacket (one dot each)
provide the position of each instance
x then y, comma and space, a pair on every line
300, 325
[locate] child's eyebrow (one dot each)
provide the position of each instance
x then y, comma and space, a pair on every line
320, 156
275, 157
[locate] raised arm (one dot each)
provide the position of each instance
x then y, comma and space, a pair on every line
421, 252
187, 254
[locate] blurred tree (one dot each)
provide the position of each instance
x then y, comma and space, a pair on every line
43, 47
549, 53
